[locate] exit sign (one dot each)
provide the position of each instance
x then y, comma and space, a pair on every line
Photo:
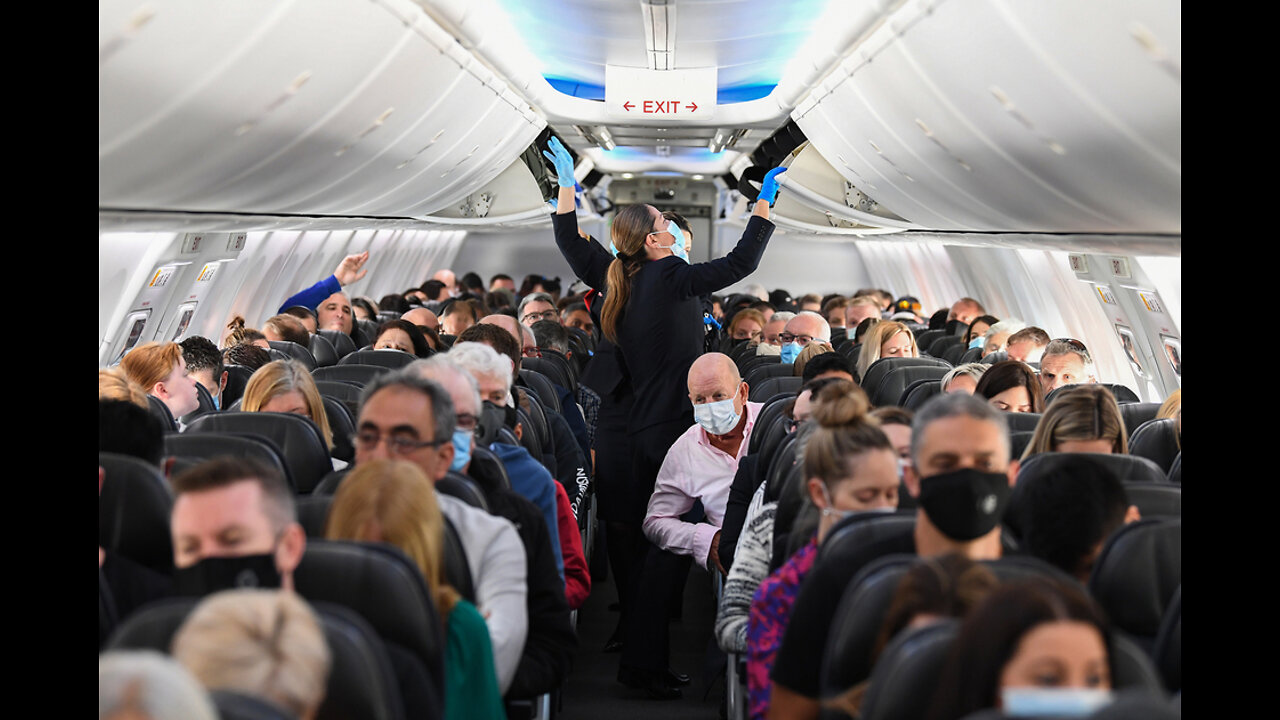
642, 94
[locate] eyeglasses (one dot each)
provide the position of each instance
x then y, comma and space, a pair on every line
397, 444
787, 337
466, 421
532, 352
534, 317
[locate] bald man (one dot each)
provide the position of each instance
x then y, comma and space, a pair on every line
699, 467
422, 317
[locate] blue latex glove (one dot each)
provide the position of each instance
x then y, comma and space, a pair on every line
560, 157
769, 188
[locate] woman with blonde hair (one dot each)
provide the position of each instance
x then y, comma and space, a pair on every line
285, 386
814, 348
392, 501
1082, 418
886, 339
114, 384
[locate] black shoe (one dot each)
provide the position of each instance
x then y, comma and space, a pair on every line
651, 683
676, 679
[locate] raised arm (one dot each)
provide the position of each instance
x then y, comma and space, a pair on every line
348, 271
588, 260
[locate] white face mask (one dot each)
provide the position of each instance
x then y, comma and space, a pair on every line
831, 511
717, 418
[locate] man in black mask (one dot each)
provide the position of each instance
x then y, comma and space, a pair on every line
961, 476
234, 525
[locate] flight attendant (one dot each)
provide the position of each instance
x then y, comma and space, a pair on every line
652, 313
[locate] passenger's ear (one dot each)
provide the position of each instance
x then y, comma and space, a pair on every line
1132, 515
1013, 472
519, 431
819, 498
911, 480
222, 383
159, 390
293, 544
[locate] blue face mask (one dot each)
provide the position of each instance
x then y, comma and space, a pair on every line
678, 247
461, 449
717, 418
613, 249
790, 352
977, 342
1053, 702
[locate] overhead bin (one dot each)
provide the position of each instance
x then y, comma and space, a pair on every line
322, 107
1007, 116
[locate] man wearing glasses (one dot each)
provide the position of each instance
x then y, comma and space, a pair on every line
537, 306
800, 330
404, 417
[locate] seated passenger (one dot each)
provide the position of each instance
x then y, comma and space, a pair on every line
975, 336
331, 305
770, 344
998, 335
895, 422
234, 523
266, 644
699, 466
811, 302
114, 384
405, 417
1027, 345
814, 349
456, 316
576, 315
285, 386
364, 309
502, 281
884, 340
396, 303
403, 336
1066, 515
392, 501
306, 316
963, 378
850, 467
1011, 386
800, 330
826, 365
1032, 647
204, 363
860, 308
747, 326
1065, 362
144, 684
246, 355
242, 334
966, 310
1172, 408
158, 368
833, 310
1083, 419
949, 586
960, 475
423, 318
286, 328
537, 306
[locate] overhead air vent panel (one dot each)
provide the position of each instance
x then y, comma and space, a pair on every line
1008, 116
324, 107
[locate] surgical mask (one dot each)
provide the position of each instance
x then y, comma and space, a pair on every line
1052, 702
213, 574
766, 349
980, 341
677, 247
613, 249
717, 418
461, 449
964, 504
790, 352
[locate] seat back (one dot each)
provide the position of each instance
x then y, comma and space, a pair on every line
342, 425
1137, 573
342, 343
237, 378
1175, 470
1134, 414
554, 367
772, 386
770, 413
919, 392
1168, 647
344, 392
761, 372
133, 511
204, 402
313, 513
362, 682
542, 387
298, 438
893, 386
323, 352
354, 374
190, 449
161, 412
294, 351
455, 484
392, 359
913, 660
1155, 500
882, 367
457, 571
1128, 468
1157, 441
1021, 422
488, 471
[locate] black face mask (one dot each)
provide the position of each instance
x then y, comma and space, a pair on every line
964, 504
211, 575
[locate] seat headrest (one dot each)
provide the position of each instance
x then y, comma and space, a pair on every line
1157, 441
392, 359
1125, 467
913, 660
1137, 573
133, 511
297, 437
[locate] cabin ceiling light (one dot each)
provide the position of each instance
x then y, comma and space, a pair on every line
659, 32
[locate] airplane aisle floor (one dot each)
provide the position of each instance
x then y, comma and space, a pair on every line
592, 691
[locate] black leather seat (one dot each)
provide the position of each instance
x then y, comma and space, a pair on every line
1158, 441
1135, 414
912, 661
770, 387
391, 359
161, 412
344, 392
919, 392
133, 512
1168, 648
342, 343
1136, 575
342, 425
1126, 467
322, 350
362, 681
190, 449
352, 374
298, 438
294, 351
542, 387
1175, 470
925, 340
757, 374
893, 386
204, 405
1155, 499
313, 513
488, 471
382, 585
237, 378
460, 486
1021, 422
771, 413
942, 346
884, 366
554, 367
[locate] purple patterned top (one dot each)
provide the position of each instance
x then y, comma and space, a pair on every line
770, 612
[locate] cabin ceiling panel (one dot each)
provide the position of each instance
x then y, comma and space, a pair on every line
984, 115
280, 108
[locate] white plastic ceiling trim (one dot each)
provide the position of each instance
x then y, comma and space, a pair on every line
280, 108
1008, 116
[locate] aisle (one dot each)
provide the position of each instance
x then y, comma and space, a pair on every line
593, 693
